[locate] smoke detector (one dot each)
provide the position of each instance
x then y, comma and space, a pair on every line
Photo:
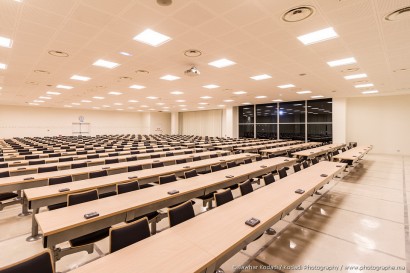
192, 72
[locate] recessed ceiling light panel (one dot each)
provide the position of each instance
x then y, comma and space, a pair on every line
340, 62
355, 76
221, 63
261, 77
152, 38
169, 78
105, 64
318, 36
80, 78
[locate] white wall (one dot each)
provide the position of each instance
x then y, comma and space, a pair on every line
160, 123
40, 121
382, 121
201, 123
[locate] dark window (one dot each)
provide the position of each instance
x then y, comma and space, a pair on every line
267, 113
319, 110
292, 131
246, 130
246, 114
319, 132
266, 131
292, 112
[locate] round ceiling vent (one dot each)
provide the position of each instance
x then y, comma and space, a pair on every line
125, 78
298, 14
353, 69
400, 14
39, 71
57, 53
142, 72
192, 53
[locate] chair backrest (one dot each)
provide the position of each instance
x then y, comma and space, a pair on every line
157, 165
181, 161
41, 262
113, 154
135, 152
269, 179
223, 197
296, 167
60, 180
28, 157
215, 168
167, 179
282, 173
4, 165
259, 158
315, 161
127, 187
98, 174
131, 158
191, 173
305, 164
246, 187
129, 234
81, 152
343, 150
134, 168
47, 169
54, 155
231, 164
78, 198
36, 162
169, 153
247, 161
112, 161
65, 159
213, 156
181, 213
93, 156
150, 150
79, 165
188, 152
289, 153
335, 152
156, 156
5, 174
196, 158
271, 155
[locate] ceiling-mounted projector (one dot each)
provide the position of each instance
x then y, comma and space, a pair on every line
192, 72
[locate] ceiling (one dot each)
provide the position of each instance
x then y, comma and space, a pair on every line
251, 33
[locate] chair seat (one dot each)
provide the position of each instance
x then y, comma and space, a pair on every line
207, 196
90, 238
146, 186
7, 195
107, 194
57, 206
150, 216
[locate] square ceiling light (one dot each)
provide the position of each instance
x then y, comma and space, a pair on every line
106, 64
221, 63
318, 36
152, 38
261, 77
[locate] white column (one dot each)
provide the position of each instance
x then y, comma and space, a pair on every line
227, 122
339, 120
174, 123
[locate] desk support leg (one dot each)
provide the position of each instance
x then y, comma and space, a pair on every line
20, 195
34, 229
24, 211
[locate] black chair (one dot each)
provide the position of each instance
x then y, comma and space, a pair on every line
180, 213
157, 165
314, 161
305, 164
268, 179
190, 174
129, 234
246, 187
112, 161
223, 197
65, 159
247, 161
213, 156
36, 162
149, 151
169, 154
188, 152
231, 164
180, 161
113, 154
81, 152
4, 165
134, 168
282, 173
79, 165
54, 155
29, 157
88, 239
131, 158
259, 158
135, 152
167, 179
196, 158
41, 262
97, 174
127, 187
7, 195
47, 169
156, 156
215, 168
93, 156
55, 181
296, 168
